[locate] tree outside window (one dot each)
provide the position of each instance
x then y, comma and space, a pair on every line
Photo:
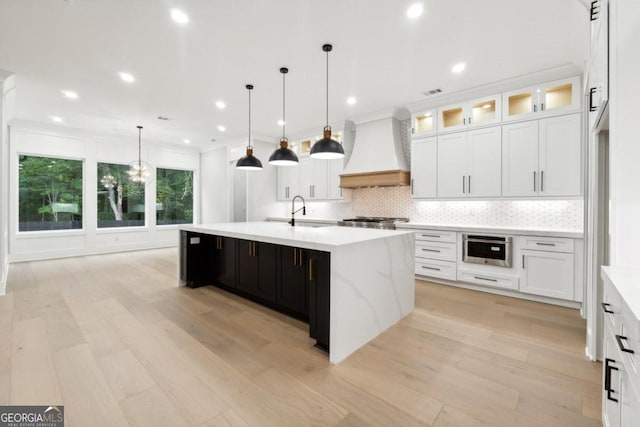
120, 201
174, 196
49, 193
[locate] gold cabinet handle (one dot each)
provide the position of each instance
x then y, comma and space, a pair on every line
295, 258
300, 255
310, 269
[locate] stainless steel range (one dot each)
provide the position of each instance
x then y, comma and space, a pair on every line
381, 223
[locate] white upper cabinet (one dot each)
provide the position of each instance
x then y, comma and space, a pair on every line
313, 178
598, 74
558, 97
560, 156
423, 123
542, 157
469, 164
335, 168
478, 112
288, 177
424, 160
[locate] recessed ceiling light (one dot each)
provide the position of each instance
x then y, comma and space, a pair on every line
280, 122
186, 141
222, 128
459, 67
221, 105
126, 77
351, 100
56, 119
415, 10
486, 106
69, 94
179, 16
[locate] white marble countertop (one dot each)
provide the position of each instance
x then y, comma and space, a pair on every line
305, 219
627, 281
524, 231
321, 238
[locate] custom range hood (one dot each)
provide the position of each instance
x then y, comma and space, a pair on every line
377, 159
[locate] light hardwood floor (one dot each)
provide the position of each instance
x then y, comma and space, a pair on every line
113, 339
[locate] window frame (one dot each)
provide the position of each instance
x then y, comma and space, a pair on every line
132, 228
155, 201
26, 234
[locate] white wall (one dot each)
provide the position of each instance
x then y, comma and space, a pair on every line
624, 142
214, 181
262, 192
41, 140
7, 96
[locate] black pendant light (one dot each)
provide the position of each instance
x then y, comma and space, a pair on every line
249, 162
327, 148
283, 156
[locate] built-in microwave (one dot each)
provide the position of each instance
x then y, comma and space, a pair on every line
489, 250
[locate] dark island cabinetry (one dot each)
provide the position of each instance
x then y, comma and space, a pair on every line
294, 281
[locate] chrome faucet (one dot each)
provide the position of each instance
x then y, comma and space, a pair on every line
293, 212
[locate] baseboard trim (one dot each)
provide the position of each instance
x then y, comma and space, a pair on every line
38, 256
5, 274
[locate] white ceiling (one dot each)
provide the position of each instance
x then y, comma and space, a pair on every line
380, 56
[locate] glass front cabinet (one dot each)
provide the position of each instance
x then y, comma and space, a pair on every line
470, 114
423, 123
546, 99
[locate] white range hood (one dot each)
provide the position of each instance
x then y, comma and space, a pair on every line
377, 159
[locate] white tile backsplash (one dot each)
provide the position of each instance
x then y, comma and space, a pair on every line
397, 202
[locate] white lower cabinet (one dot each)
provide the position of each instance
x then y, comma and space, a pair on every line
436, 253
489, 279
620, 370
547, 273
547, 267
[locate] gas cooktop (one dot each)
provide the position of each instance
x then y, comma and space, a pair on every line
372, 222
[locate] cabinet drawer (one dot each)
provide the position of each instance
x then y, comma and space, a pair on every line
629, 340
436, 236
612, 308
434, 268
436, 250
506, 282
550, 244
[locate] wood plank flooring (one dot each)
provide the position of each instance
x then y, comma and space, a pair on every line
113, 339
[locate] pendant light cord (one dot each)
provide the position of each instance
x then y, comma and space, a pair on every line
249, 142
140, 147
327, 88
284, 122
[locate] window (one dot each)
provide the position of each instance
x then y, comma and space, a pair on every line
120, 201
49, 193
174, 196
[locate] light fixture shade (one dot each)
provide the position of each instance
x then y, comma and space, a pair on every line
327, 148
283, 156
249, 162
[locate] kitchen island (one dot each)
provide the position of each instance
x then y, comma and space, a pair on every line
351, 284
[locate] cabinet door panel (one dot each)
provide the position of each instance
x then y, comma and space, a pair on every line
520, 159
287, 182
334, 192
306, 177
292, 289
484, 178
228, 263
560, 156
424, 160
267, 280
247, 267
452, 161
319, 286
320, 178
611, 362
547, 273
